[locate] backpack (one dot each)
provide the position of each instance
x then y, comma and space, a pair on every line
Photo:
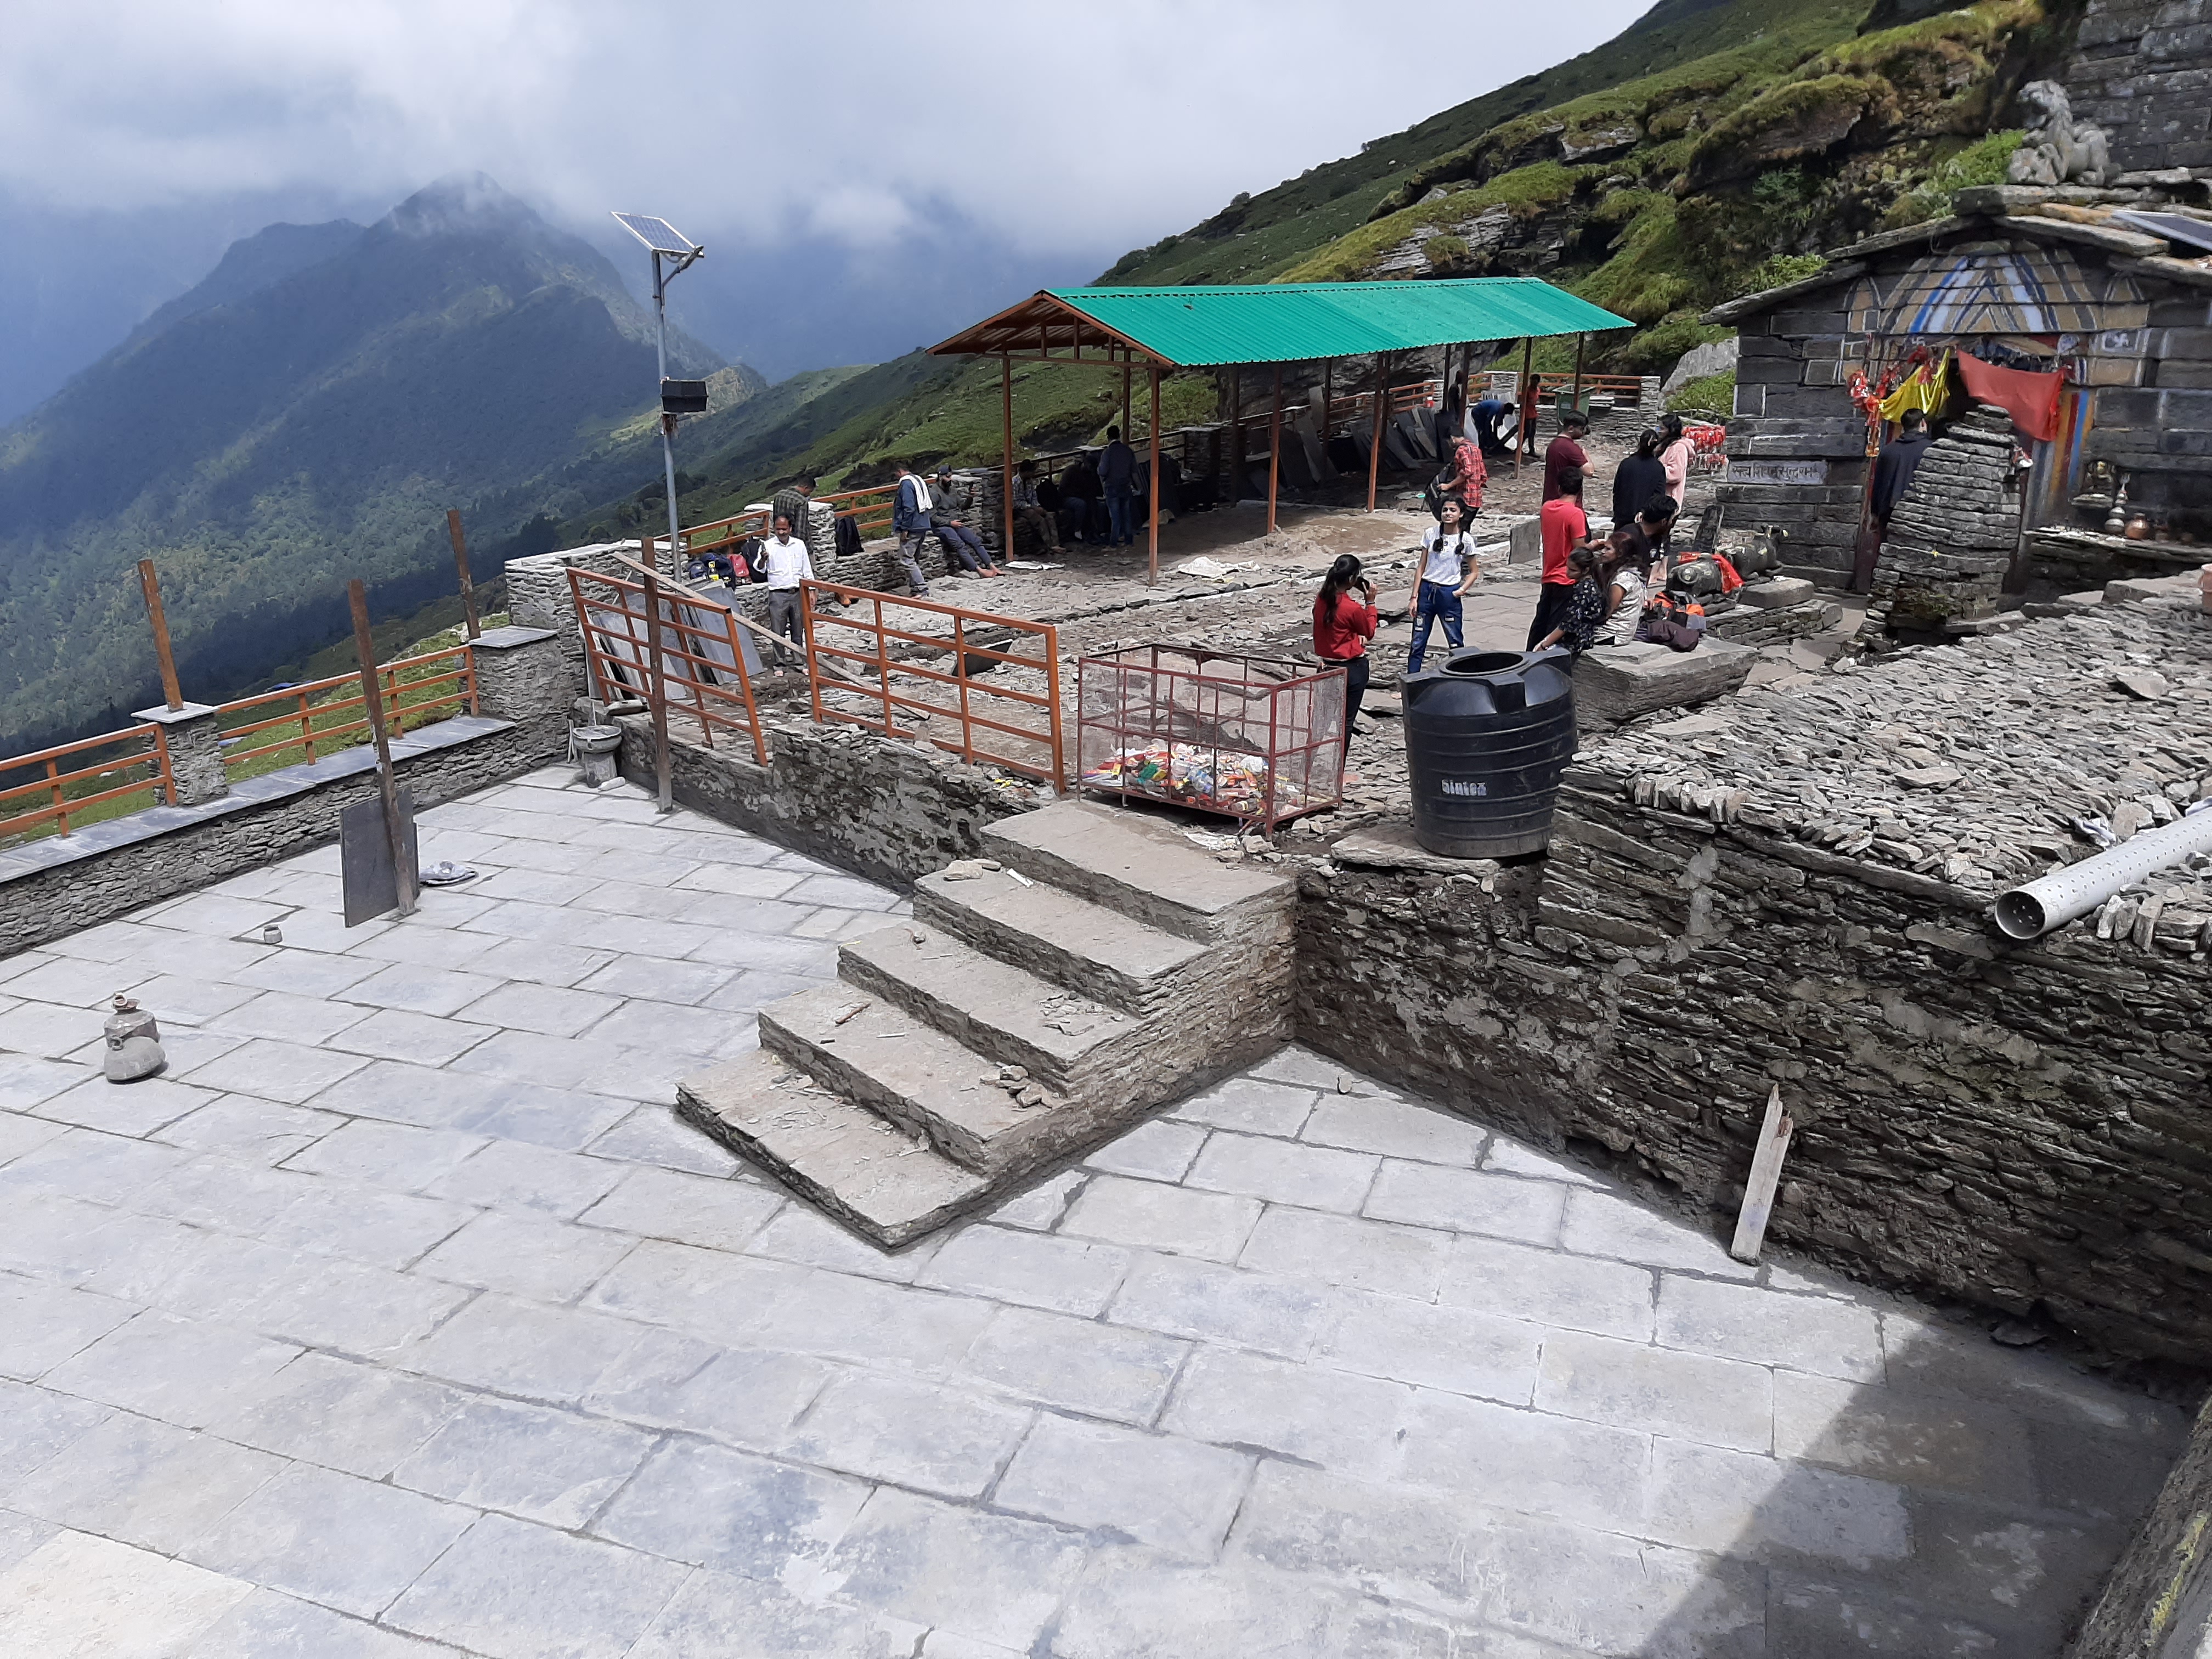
848, 537
1433, 496
756, 560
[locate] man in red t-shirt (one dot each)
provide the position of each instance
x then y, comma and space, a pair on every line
1565, 527
1566, 451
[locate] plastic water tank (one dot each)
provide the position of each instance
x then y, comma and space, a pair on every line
1487, 734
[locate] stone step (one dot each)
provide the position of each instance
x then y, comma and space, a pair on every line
1141, 867
886, 1184
1005, 1013
894, 1062
1126, 964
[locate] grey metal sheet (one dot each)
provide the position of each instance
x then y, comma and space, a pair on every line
365, 869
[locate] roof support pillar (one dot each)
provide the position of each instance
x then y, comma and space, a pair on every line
1275, 448
1581, 340
1328, 385
1374, 443
1006, 453
1526, 429
1126, 423
1153, 578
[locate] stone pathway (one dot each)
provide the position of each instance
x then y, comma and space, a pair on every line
402, 1317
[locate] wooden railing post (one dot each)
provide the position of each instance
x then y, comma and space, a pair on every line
461, 566
150, 585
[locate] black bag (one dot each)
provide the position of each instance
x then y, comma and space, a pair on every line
756, 559
848, 537
1433, 496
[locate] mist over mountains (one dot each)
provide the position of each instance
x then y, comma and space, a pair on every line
306, 414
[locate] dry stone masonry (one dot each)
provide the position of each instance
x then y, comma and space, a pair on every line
1951, 538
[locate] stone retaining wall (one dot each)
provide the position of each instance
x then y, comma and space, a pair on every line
159, 855
892, 812
2157, 1604
2004, 1126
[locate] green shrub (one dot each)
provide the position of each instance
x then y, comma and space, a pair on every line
1657, 349
1445, 253
1709, 394
1780, 271
1982, 162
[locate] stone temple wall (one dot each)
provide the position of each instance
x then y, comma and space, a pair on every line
2142, 70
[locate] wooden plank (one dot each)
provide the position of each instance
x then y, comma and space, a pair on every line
171, 692
396, 827
1765, 1176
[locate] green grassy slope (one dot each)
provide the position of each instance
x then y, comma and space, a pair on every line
1256, 240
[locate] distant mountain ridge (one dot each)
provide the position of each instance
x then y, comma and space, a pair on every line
304, 415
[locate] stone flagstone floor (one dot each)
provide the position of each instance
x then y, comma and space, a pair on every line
402, 1318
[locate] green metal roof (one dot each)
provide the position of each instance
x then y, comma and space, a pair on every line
1297, 322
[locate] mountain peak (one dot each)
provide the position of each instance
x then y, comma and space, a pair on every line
461, 203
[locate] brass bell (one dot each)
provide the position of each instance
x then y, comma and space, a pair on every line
134, 1043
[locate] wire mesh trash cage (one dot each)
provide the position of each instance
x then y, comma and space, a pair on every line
1259, 739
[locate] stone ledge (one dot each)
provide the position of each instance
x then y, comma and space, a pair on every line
1614, 684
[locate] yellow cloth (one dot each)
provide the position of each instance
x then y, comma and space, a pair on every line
1927, 388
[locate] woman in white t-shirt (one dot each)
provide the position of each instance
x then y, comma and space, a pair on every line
1448, 570
1628, 589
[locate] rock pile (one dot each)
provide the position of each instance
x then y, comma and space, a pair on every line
1977, 766
1949, 543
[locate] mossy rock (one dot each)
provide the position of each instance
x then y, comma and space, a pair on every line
1797, 118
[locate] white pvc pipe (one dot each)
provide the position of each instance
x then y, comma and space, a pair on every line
2034, 908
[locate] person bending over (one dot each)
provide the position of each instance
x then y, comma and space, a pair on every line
1584, 610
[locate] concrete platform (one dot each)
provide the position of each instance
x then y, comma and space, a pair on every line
391, 1324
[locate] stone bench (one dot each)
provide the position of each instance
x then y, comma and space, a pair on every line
1617, 682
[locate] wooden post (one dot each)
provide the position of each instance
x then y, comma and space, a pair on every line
1765, 1176
656, 680
1275, 448
151, 585
1126, 422
1527, 430
1327, 379
1006, 452
1374, 445
1581, 340
1153, 578
461, 564
1236, 428
387, 785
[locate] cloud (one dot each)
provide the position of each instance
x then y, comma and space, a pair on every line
1046, 126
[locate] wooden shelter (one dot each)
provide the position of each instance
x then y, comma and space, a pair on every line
1156, 329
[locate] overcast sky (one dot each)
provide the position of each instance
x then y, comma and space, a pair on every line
965, 152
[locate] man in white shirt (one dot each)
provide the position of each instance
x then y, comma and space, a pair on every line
788, 565
1448, 571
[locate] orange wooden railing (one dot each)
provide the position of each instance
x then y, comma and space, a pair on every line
702, 654
836, 639
410, 694
151, 763
871, 507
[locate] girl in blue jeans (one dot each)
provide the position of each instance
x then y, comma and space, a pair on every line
1448, 570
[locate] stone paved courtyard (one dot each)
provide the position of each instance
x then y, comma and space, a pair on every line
401, 1317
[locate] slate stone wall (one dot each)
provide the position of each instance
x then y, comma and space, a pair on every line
2157, 1604
2142, 70
2003, 1126
247, 834
1951, 539
891, 812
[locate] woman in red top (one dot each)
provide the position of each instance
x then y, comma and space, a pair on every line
1343, 624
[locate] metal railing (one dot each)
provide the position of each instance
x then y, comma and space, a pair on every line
75, 793
871, 506
415, 691
900, 679
704, 671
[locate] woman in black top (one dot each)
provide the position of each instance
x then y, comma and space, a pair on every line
1639, 477
1585, 610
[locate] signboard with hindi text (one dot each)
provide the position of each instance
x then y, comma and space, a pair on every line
1776, 472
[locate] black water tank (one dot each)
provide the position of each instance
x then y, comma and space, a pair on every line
1487, 734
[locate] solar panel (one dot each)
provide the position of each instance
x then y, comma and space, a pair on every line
2173, 227
656, 234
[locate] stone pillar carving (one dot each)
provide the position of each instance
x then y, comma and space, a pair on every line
195, 750
523, 674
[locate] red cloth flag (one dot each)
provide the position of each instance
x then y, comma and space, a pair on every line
2031, 400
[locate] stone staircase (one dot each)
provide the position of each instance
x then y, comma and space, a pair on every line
1021, 1016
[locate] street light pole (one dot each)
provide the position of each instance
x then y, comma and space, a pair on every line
667, 421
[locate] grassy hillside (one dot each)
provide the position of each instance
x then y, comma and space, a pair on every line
1257, 238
